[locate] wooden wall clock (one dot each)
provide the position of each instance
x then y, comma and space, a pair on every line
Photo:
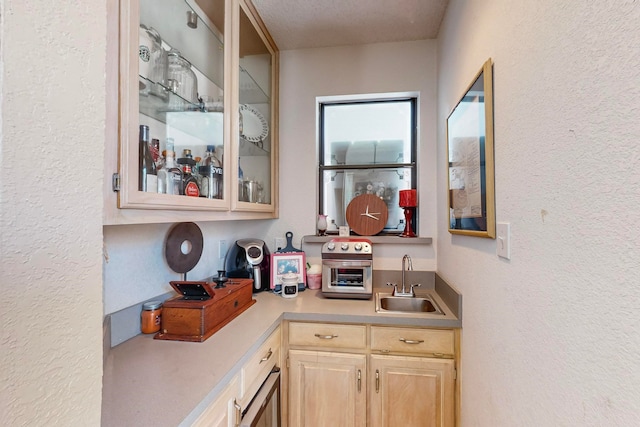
367, 214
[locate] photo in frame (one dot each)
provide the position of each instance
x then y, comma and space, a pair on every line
288, 262
471, 207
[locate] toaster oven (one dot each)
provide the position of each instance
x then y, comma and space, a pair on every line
347, 268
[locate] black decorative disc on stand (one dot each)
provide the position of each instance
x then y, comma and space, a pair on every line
183, 247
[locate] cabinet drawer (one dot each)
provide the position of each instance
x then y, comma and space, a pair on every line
257, 369
327, 335
410, 340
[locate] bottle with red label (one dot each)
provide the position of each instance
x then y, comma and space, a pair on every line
189, 185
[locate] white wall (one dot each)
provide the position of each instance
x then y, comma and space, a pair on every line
135, 268
309, 73
52, 64
551, 337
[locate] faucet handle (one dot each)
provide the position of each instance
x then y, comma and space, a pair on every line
414, 285
395, 287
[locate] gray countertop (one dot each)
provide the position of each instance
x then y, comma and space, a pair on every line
169, 383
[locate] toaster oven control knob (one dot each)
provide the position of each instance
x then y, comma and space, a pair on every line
344, 246
358, 246
331, 246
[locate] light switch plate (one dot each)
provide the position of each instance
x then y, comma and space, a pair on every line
503, 240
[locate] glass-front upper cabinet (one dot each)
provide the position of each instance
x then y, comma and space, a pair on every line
196, 121
256, 146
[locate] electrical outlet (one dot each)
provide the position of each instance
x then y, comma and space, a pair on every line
222, 249
281, 242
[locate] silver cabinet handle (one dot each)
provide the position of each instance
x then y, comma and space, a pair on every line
267, 357
377, 381
326, 337
359, 380
238, 413
411, 341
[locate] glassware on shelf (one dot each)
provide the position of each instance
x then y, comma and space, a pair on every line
181, 80
152, 62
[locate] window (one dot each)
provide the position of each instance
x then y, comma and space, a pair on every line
366, 146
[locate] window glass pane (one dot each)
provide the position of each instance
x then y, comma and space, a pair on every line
341, 186
367, 133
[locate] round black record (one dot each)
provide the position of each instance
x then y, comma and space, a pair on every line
185, 235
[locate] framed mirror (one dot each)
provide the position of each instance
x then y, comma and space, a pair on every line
470, 159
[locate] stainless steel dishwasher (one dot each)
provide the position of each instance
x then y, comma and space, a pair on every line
264, 409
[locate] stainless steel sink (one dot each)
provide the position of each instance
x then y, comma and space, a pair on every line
387, 303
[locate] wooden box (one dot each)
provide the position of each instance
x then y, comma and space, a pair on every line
195, 316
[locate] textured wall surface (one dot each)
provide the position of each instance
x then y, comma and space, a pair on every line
51, 167
135, 268
550, 338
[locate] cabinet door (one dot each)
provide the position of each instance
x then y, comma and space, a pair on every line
182, 106
255, 140
222, 412
411, 391
327, 389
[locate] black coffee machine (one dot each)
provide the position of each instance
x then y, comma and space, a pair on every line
249, 258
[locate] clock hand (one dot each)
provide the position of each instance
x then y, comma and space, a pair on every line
371, 216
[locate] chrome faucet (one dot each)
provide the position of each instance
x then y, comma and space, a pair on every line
409, 268
403, 292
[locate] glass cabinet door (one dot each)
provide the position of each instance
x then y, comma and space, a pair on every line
180, 63
255, 160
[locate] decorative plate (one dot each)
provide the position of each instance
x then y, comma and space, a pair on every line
254, 126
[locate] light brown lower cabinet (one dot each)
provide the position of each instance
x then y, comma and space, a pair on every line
327, 389
397, 377
411, 391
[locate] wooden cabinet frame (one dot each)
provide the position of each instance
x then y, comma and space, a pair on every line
426, 365
129, 206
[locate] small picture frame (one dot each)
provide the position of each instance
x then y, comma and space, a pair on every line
288, 262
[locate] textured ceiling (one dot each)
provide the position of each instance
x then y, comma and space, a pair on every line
298, 24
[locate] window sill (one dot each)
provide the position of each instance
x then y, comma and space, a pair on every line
387, 240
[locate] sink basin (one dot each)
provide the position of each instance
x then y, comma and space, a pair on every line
387, 303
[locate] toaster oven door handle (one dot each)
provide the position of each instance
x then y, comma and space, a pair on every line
346, 263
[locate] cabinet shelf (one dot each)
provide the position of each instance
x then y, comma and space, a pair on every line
157, 107
250, 90
248, 148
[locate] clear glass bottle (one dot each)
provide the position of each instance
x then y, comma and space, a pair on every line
211, 173
169, 176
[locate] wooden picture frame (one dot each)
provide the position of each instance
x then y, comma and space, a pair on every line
288, 262
471, 197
